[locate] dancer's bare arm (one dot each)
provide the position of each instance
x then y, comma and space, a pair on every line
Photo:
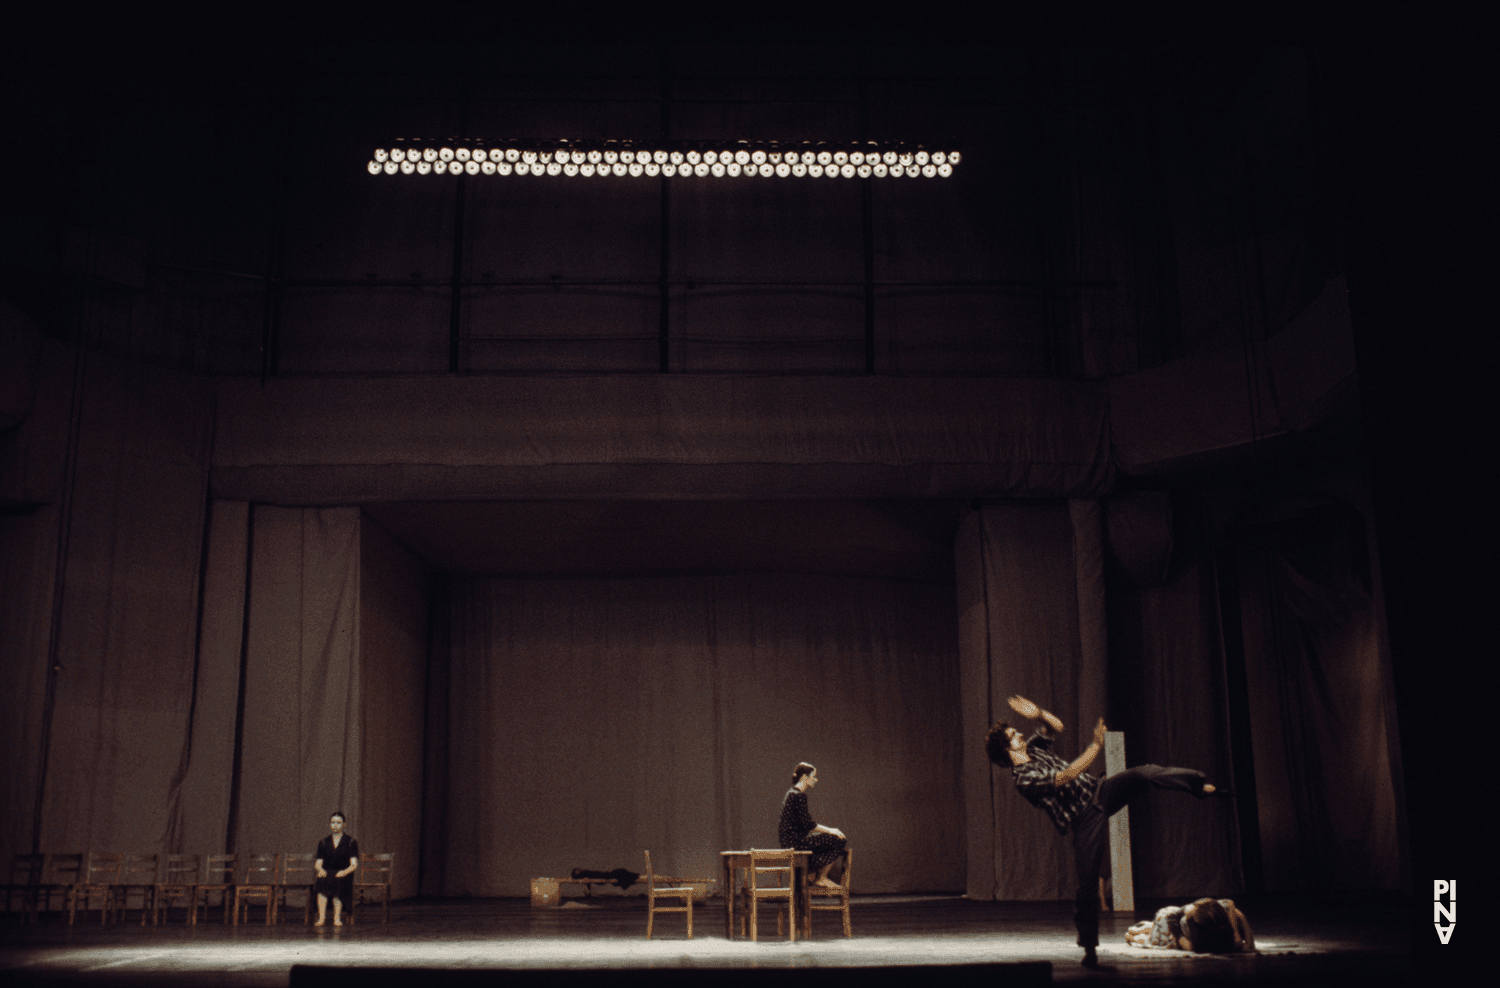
1031, 711
1084, 760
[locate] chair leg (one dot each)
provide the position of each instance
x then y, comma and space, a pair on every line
689, 900
650, 913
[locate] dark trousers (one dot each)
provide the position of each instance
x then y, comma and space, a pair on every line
1091, 833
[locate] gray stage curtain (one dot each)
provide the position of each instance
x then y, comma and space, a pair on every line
1321, 703
301, 739
1032, 621
592, 719
128, 536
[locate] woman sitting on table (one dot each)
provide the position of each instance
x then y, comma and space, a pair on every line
1204, 926
798, 831
338, 856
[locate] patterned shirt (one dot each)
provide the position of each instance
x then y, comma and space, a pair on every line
1037, 781
796, 822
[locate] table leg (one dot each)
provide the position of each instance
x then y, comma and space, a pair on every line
728, 899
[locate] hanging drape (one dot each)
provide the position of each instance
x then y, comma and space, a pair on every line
590, 720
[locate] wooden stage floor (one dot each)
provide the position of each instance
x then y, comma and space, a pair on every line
435, 942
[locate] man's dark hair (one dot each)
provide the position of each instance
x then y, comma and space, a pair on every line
339, 814
1209, 928
997, 744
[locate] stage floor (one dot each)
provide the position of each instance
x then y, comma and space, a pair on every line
1360, 940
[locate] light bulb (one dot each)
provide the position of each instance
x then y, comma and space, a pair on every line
816, 171
675, 157
742, 158
587, 170
462, 154
783, 170
390, 167
488, 167
952, 157
611, 157
799, 169
922, 158
441, 167
512, 155
880, 170
653, 169
733, 169
693, 157
398, 155
424, 168
767, 170
375, 167
701, 169
570, 169
774, 157
554, 169
825, 159
382, 155
595, 157
945, 169
889, 158
928, 171
529, 157
905, 158
856, 158
758, 157
407, 167
660, 157
840, 158
847, 171
939, 158
716, 170
863, 171
445, 154
618, 168
504, 168
636, 168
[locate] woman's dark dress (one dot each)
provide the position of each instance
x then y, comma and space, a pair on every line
795, 831
336, 859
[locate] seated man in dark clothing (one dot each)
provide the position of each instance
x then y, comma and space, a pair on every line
1079, 802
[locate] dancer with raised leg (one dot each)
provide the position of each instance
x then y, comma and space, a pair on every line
1078, 802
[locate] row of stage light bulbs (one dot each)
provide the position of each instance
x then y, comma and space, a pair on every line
833, 164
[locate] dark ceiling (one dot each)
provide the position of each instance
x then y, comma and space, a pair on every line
884, 539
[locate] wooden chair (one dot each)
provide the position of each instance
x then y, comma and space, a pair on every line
25, 883
137, 874
374, 884
218, 872
101, 875
177, 881
779, 864
663, 887
297, 874
60, 877
841, 893
258, 885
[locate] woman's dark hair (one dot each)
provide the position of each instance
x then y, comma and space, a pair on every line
802, 769
997, 744
339, 814
1209, 928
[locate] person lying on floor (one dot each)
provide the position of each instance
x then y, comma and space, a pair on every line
1204, 926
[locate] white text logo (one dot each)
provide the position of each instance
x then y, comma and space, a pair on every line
1440, 912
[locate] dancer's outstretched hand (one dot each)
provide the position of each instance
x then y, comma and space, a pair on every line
1024, 707
1099, 731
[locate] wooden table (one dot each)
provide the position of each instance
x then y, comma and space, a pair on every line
735, 861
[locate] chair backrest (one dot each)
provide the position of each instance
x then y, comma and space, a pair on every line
219, 869
778, 863
297, 867
180, 869
375, 869
27, 868
64, 869
261, 868
103, 868
650, 875
139, 869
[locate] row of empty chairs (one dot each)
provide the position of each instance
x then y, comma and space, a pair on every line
111, 881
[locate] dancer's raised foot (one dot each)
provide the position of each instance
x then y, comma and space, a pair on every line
1090, 957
